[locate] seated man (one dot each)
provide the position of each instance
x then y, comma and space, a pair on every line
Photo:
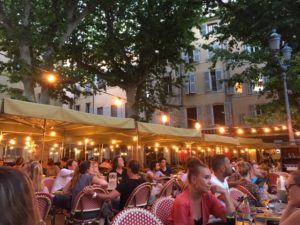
64, 175
126, 186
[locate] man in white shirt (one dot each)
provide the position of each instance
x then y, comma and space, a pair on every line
221, 167
64, 175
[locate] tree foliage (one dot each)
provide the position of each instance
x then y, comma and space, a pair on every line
123, 43
251, 23
130, 44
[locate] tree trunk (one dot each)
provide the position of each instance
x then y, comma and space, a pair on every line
132, 110
26, 78
45, 99
29, 89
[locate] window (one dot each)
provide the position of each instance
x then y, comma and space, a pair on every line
196, 55
191, 117
219, 115
238, 87
213, 80
258, 86
190, 83
100, 111
88, 107
88, 88
77, 107
249, 49
211, 27
242, 119
114, 111
208, 28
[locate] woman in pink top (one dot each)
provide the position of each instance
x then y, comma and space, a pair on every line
196, 203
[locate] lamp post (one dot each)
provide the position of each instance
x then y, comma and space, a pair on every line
274, 44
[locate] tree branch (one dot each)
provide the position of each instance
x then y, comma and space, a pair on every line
73, 20
26, 14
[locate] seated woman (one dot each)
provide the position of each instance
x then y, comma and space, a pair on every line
244, 169
84, 178
17, 199
126, 186
154, 172
291, 214
118, 165
35, 171
196, 203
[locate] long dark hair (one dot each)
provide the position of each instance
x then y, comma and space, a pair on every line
17, 198
115, 162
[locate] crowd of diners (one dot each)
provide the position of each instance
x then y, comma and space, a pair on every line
204, 199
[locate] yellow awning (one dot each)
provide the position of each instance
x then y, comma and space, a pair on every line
49, 112
26, 118
149, 132
250, 141
214, 138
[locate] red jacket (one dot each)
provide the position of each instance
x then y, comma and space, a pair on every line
182, 213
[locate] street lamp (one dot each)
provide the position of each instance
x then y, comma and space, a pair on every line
274, 44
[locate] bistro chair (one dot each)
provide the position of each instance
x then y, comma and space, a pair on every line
163, 179
136, 216
167, 189
48, 182
236, 194
43, 202
162, 208
139, 196
246, 192
85, 209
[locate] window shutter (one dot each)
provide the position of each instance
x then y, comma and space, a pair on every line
192, 80
185, 57
219, 80
196, 55
186, 85
228, 113
204, 29
250, 88
252, 110
209, 115
207, 81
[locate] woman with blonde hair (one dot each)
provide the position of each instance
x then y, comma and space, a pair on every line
35, 171
17, 199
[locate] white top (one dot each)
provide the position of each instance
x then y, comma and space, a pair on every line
215, 181
63, 177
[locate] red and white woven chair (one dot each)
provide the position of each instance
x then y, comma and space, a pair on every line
136, 216
85, 209
48, 182
162, 208
139, 196
236, 194
43, 202
246, 192
167, 189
